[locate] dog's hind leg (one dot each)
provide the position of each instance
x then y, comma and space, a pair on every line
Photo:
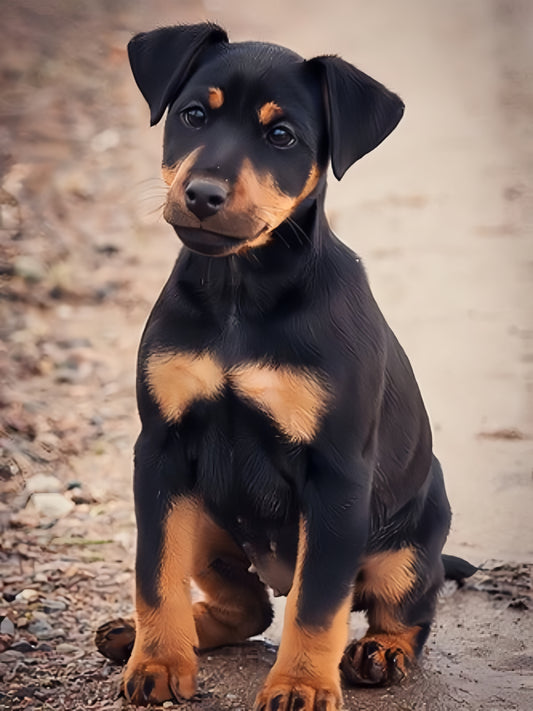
395, 636
236, 604
399, 588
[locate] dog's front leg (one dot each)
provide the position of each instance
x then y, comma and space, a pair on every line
332, 535
163, 661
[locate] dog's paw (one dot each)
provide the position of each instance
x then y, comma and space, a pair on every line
155, 682
114, 639
376, 660
298, 695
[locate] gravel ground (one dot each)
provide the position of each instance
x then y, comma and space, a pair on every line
84, 252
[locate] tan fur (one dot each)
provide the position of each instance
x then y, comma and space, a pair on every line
215, 97
308, 658
387, 576
256, 205
236, 607
268, 112
166, 635
258, 192
294, 398
175, 175
176, 380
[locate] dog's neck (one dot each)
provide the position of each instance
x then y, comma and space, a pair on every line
260, 279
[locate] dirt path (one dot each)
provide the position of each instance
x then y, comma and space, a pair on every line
441, 215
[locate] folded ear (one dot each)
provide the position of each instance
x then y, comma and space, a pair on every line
361, 112
162, 60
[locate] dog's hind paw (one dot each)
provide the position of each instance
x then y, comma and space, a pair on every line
377, 660
114, 639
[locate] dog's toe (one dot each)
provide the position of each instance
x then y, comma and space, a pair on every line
375, 661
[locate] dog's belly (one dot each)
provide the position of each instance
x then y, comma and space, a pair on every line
248, 479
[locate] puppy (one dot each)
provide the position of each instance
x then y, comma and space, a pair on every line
284, 440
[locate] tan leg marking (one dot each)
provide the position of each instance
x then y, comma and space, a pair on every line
176, 380
387, 576
385, 653
268, 112
215, 97
236, 605
308, 659
294, 398
163, 661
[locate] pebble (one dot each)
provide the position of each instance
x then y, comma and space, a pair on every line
105, 140
43, 484
29, 268
10, 656
23, 646
7, 627
53, 505
27, 595
66, 648
53, 606
41, 629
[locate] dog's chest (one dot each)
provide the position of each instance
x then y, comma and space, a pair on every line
293, 399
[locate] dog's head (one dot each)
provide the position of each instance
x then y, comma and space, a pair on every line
250, 129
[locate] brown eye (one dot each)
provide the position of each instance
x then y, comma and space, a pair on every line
194, 117
281, 137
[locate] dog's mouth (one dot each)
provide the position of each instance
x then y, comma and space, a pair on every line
211, 244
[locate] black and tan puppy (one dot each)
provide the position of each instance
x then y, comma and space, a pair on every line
284, 440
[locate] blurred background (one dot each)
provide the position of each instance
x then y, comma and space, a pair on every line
441, 214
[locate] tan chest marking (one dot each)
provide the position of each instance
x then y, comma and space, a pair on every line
294, 398
176, 380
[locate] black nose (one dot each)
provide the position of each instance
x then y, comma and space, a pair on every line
204, 198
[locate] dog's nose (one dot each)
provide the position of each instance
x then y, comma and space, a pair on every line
204, 198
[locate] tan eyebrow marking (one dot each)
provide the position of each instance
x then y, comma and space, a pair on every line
268, 112
215, 97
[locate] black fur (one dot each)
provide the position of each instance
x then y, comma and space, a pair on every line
367, 482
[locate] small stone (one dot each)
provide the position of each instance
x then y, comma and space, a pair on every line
7, 633
6, 626
105, 140
53, 606
23, 646
43, 484
40, 629
66, 648
27, 595
10, 656
52, 505
29, 268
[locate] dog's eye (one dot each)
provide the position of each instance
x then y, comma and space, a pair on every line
194, 117
281, 137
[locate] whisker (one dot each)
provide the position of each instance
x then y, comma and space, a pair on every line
282, 238
301, 231
157, 209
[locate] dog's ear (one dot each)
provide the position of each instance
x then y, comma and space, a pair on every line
360, 111
162, 60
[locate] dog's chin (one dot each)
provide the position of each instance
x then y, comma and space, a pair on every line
210, 244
